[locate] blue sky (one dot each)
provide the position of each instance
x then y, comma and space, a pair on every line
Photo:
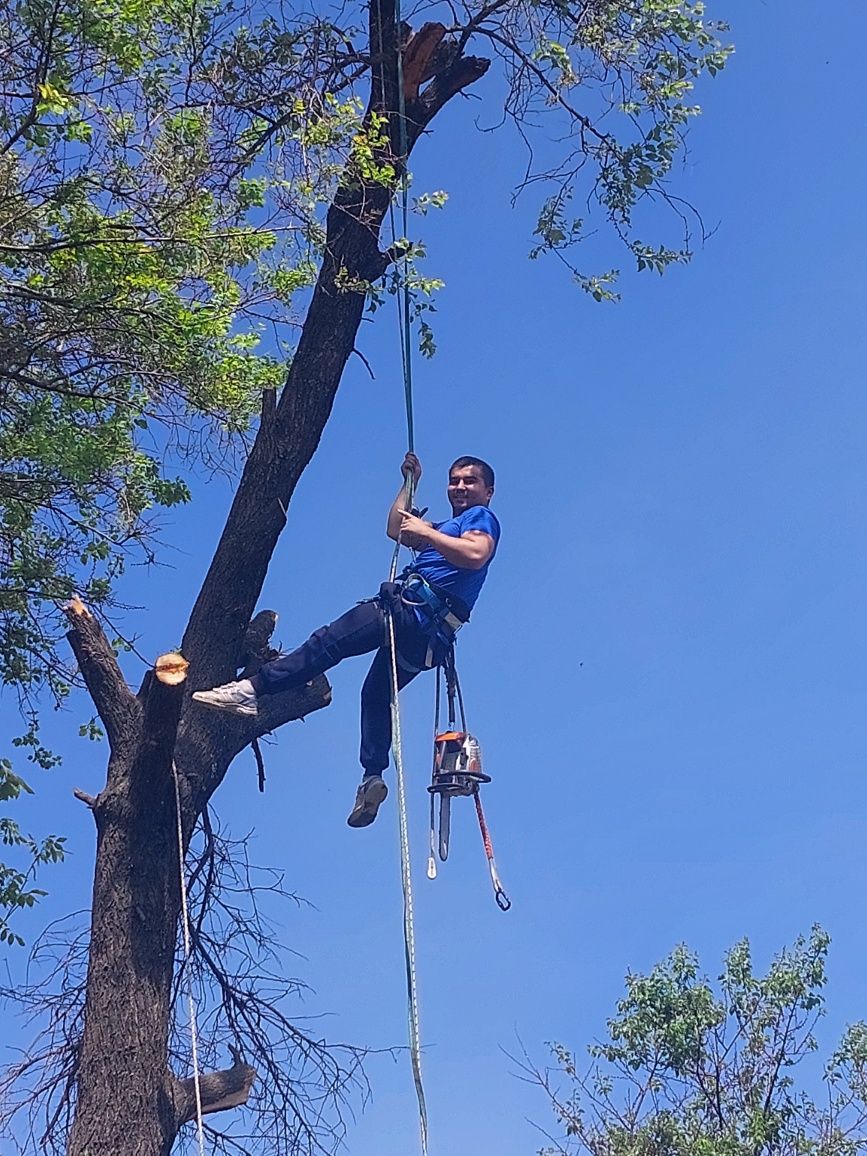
666, 669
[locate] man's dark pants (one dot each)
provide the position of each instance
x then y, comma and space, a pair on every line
360, 630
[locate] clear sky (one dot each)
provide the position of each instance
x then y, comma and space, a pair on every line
666, 668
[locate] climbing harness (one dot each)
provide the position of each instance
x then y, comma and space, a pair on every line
442, 615
185, 923
457, 771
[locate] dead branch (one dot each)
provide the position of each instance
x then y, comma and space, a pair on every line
463, 72
260, 763
219, 1091
419, 58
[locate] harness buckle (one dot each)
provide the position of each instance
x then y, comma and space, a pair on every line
422, 596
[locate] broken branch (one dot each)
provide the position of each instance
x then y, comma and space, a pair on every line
260, 763
219, 1091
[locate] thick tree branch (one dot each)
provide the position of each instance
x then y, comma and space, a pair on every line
278, 709
384, 37
211, 741
114, 701
219, 1091
422, 58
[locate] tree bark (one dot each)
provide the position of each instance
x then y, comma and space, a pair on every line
127, 1099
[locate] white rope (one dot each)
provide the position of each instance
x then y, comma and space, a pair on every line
406, 881
185, 922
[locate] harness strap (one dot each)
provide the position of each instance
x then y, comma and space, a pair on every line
442, 622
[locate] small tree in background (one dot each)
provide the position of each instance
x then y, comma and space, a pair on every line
695, 1069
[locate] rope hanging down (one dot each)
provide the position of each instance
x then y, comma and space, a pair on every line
404, 324
405, 857
400, 776
406, 882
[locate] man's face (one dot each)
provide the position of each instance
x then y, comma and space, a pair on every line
467, 488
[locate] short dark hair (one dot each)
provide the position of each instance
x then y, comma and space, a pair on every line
485, 470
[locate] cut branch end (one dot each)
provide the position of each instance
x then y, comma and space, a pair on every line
171, 669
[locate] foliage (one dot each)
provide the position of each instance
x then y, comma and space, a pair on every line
165, 169
136, 272
640, 60
693, 1070
16, 890
139, 265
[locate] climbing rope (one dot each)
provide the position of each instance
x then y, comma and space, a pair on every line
404, 326
185, 923
404, 311
406, 883
405, 856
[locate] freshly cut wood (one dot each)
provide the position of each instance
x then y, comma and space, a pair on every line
171, 669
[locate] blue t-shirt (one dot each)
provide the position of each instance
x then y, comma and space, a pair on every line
430, 563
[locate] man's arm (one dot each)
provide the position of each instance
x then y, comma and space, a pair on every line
469, 552
411, 465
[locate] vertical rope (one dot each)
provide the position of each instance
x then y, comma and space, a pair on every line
185, 923
406, 882
404, 316
404, 203
408, 490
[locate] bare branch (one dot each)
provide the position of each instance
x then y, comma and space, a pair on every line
260, 763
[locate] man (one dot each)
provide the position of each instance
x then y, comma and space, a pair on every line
428, 604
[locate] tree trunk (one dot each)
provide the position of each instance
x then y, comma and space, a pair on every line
128, 1102
135, 911
127, 1099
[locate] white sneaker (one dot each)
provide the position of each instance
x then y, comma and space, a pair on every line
237, 697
